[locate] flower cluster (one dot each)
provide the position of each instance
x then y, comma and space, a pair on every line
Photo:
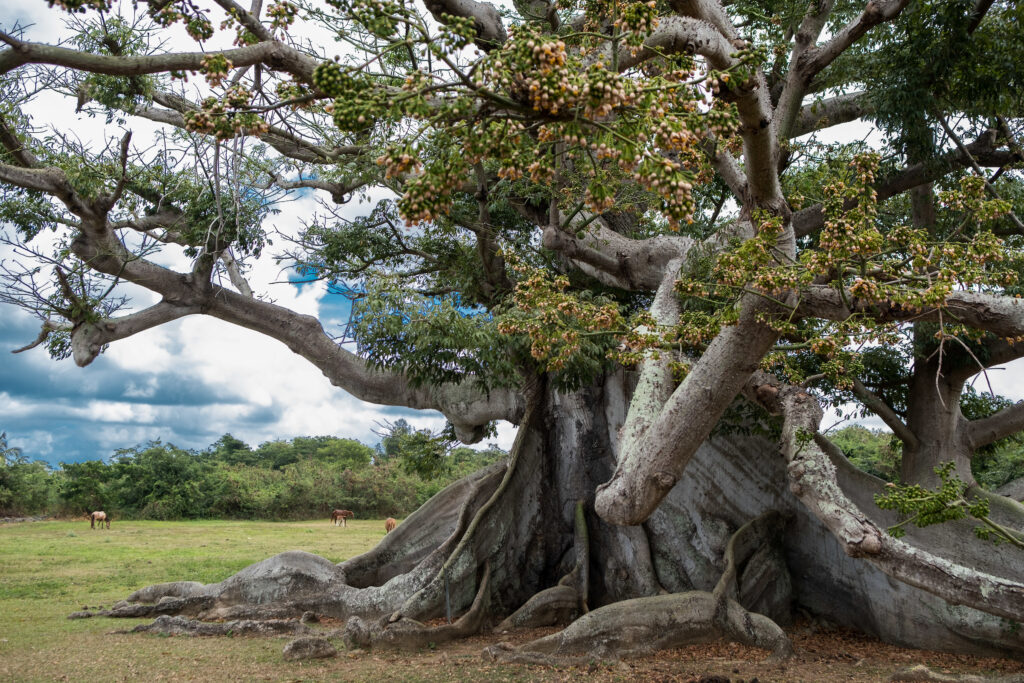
558, 322
282, 15
197, 24
457, 32
215, 117
215, 67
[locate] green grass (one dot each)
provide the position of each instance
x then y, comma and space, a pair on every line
50, 569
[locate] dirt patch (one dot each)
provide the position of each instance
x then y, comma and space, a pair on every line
822, 655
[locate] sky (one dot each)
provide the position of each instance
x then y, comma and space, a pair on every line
193, 380
187, 382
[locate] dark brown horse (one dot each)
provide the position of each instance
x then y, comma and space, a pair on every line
342, 516
389, 525
98, 517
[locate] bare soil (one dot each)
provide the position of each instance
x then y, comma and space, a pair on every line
822, 655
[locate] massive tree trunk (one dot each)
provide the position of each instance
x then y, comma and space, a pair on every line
933, 416
515, 526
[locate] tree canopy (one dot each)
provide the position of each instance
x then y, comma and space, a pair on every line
569, 188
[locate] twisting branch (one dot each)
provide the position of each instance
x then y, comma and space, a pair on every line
1006, 422
883, 410
812, 477
833, 111
799, 75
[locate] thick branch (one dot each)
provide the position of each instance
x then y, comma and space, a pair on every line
490, 32
797, 80
468, 408
1006, 422
812, 478
630, 264
834, 111
875, 13
271, 53
645, 474
656, 383
710, 11
884, 411
1003, 316
88, 339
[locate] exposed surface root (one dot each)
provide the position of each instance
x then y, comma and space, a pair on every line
556, 605
180, 626
404, 633
562, 603
922, 674
643, 625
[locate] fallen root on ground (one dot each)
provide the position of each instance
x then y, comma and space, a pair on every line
635, 627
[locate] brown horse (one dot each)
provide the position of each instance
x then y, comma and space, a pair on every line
98, 517
342, 516
389, 525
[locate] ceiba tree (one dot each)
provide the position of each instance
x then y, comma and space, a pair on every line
616, 224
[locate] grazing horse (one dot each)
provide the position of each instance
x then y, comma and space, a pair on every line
342, 516
98, 517
389, 525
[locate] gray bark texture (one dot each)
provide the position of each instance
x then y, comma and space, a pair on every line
508, 534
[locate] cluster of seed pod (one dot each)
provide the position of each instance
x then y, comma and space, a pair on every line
603, 91
215, 118
672, 184
282, 14
379, 17
637, 20
197, 25
429, 195
398, 161
457, 32
334, 81
215, 67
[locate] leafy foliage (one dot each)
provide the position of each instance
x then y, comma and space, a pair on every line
304, 478
944, 504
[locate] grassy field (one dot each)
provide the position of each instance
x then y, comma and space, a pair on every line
51, 569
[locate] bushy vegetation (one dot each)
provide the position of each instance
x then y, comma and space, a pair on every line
877, 452
303, 478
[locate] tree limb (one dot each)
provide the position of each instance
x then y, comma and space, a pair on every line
882, 409
1000, 315
799, 76
271, 53
987, 430
813, 480
833, 111
490, 31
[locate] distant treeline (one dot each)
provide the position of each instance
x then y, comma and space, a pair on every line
299, 479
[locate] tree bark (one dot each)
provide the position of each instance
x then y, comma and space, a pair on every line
519, 520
